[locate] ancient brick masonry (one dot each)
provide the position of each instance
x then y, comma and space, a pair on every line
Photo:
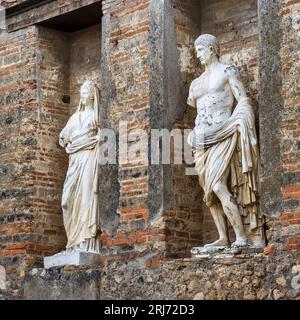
30, 206
36, 65
132, 48
19, 125
144, 65
129, 57
290, 128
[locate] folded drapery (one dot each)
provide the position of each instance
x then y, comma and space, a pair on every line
80, 194
232, 145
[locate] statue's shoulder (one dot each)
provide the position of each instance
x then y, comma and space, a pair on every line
231, 70
196, 82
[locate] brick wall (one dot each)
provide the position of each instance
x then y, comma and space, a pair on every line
85, 60
177, 226
33, 80
128, 58
39, 69
290, 218
185, 221
52, 114
19, 105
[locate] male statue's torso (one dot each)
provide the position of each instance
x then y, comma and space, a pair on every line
214, 97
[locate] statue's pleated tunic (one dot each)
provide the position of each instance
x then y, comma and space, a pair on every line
80, 198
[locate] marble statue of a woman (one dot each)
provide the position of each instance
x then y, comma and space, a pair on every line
225, 148
80, 138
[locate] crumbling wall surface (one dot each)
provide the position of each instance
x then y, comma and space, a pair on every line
52, 114
35, 106
18, 143
65, 283
242, 277
31, 116
85, 61
235, 23
216, 278
290, 125
279, 114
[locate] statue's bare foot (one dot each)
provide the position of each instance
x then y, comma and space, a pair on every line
218, 243
240, 242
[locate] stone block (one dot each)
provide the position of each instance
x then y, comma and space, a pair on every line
75, 258
76, 283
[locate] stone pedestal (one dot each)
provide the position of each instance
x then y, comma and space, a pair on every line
75, 258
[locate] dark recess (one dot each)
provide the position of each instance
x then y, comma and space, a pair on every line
76, 20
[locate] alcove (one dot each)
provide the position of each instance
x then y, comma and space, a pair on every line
235, 24
68, 52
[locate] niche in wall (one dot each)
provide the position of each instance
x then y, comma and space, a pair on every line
234, 22
68, 52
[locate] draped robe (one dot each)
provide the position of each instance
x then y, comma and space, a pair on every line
80, 193
228, 147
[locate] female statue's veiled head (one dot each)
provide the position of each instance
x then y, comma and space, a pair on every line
206, 45
90, 96
87, 92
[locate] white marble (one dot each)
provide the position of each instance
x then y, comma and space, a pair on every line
225, 148
2, 278
80, 199
208, 249
74, 258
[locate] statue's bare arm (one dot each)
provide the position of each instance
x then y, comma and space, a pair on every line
191, 101
236, 83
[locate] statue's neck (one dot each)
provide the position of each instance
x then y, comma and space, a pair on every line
213, 62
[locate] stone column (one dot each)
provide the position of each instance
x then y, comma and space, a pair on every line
270, 105
279, 120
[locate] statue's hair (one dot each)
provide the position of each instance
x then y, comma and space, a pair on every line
209, 40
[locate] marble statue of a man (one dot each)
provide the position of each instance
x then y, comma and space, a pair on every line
80, 138
225, 148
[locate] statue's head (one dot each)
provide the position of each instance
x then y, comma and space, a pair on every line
90, 97
207, 46
87, 92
